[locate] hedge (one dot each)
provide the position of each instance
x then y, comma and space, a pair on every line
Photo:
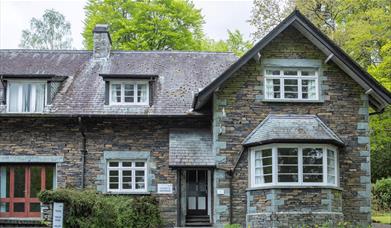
91, 209
381, 195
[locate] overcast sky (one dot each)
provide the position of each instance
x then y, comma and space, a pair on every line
15, 15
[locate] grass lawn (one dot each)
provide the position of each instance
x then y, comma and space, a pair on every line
381, 217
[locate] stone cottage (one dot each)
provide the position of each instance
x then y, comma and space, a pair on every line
278, 137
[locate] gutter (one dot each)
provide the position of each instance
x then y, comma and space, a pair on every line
83, 151
377, 112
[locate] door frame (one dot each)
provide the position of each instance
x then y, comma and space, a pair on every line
182, 197
197, 211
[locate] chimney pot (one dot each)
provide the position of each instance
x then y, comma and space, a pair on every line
102, 41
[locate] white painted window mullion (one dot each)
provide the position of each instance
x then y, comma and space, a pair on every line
275, 165
325, 166
300, 164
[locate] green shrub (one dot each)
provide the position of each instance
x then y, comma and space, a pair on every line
381, 194
233, 226
91, 209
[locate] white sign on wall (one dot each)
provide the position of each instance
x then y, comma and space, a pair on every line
58, 215
164, 188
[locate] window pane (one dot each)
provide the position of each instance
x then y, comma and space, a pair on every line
267, 170
287, 160
312, 169
18, 207
287, 169
287, 173
313, 178
5, 173
116, 93
331, 169
4, 207
35, 181
26, 96
19, 182
141, 93
35, 207
129, 93
39, 97
114, 179
273, 88
49, 170
307, 73
312, 156
272, 72
309, 89
113, 172
14, 97
140, 179
287, 152
113, 164
140, 164
126, 164
113, 185
287, 178
290, 72
268, 179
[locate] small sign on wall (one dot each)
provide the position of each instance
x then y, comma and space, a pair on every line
58, 215
164, 188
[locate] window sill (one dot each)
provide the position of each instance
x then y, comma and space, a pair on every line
294, 187
127, 193
127, 105
291, 101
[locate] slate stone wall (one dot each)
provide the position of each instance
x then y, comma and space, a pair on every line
61, 137
239, 108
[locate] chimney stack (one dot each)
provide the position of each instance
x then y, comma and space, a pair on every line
102, 41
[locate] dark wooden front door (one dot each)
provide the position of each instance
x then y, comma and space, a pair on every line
197, 192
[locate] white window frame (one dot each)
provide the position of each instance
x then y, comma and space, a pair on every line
300, 165
20, 100
120, 170
299, 79
130, 82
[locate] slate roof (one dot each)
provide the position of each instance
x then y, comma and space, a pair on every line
180, 76
191, 147
292, 128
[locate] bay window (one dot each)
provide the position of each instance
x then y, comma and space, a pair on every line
26, 96
129, 92
291, 84
127, 176
285, 165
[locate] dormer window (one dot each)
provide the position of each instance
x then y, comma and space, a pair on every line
26, 97
129, 92
291, 84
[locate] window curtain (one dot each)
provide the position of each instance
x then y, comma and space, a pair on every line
39, 97
311, 89
13, 97
269, 88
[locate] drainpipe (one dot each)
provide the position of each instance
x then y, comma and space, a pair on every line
83, 151
231, 174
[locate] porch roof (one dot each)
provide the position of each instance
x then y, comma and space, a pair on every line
291, 129
190, 148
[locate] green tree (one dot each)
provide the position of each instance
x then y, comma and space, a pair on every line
146, 24
266, 14
50, 32
235, 43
